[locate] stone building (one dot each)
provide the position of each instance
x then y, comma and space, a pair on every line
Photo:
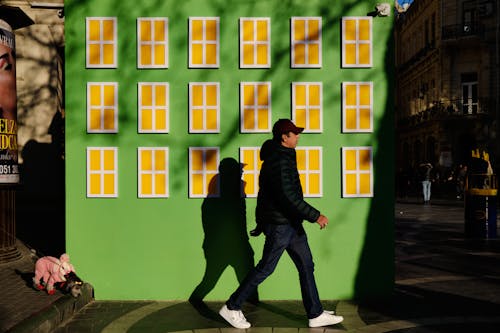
447, 78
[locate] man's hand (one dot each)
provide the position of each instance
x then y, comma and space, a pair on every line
322, 221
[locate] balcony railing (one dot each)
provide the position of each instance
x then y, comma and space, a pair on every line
463, 30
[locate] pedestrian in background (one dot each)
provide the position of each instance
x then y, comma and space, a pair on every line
280, 212
426, 180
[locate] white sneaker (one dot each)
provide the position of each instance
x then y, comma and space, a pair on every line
325, 319
234, 317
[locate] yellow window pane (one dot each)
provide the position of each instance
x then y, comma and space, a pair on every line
350, 95
248, 94
109, 119
211, 30
350, 160
314, 94
248, 55
350, 30
364, 184
109, 95
161, 119
301, 159
262, 33
160, 31
211, 91
299, 30
108, 30
197, 160
249, 119
95, 184
262, 119
350, 54
197, 30
145, 31
300, 117
314, 159
364, 54
364, 159
146, 57
161, 94
146, 160
350, 184
351, 119
364, 30
211, 160
160, 184
314, 119
263, 94
146, 95
303, 181
197, 54
95, 119
364, 119
300, 94
212, 119
109, 160
262, 51
314, 184
313, 29
364, 94
197, 95
248, 31
109, 184
197, 121
95, 160
94, 30
108, 54
94, 54
211, 54
314, 54
146, 184
197, 184
249, 180
159, 54
300, 54
147, 119
95, 95
249, 159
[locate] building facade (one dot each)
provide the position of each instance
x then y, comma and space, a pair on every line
447, 78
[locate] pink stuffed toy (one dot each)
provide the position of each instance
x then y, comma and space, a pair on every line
51, 270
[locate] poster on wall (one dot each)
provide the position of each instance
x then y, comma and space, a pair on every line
9, 173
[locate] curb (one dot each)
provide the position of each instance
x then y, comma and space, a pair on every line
60, 311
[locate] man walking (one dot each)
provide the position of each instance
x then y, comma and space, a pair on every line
280, 212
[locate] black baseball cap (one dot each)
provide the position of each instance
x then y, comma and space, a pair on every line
283, 126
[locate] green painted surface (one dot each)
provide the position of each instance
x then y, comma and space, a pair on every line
130, 248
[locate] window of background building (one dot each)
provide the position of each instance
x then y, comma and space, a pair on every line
255, 42
204, 107
469, 93
102, 172
152, 42
357, 172
307, 106
102, 107
255, 107
153, 106
152, 164
203, 167
249, 157
306, 42
101, 42
204, 42
357, 41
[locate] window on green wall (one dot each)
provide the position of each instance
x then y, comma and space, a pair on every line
357, 41
255, 107
102, 107
153, 107
357, 107
204, 107
249, 158
153, 172
255, 42
309, 165
203, 42
101, 42
152, 42
203, 167
307, 109
102, 172
306, 42
357, 172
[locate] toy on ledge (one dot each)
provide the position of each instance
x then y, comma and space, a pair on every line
50, 271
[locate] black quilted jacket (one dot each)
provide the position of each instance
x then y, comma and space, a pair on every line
280, 199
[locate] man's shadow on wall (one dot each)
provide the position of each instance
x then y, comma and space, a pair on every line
223, 215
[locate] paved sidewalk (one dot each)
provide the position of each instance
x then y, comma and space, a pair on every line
444, 283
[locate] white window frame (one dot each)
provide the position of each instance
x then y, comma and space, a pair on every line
255, 107
102, 107
254, 170
153, 172
357, 42
255, 43
357, 107
294, 42
307, 171
153, 43
205, 173
101, 43
203, 107
102, 172
356, 172
204, 42
154, 107
307, 129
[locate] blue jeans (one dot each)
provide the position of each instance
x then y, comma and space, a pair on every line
293, 239
426, 189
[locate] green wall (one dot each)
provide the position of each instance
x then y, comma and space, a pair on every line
130, 248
